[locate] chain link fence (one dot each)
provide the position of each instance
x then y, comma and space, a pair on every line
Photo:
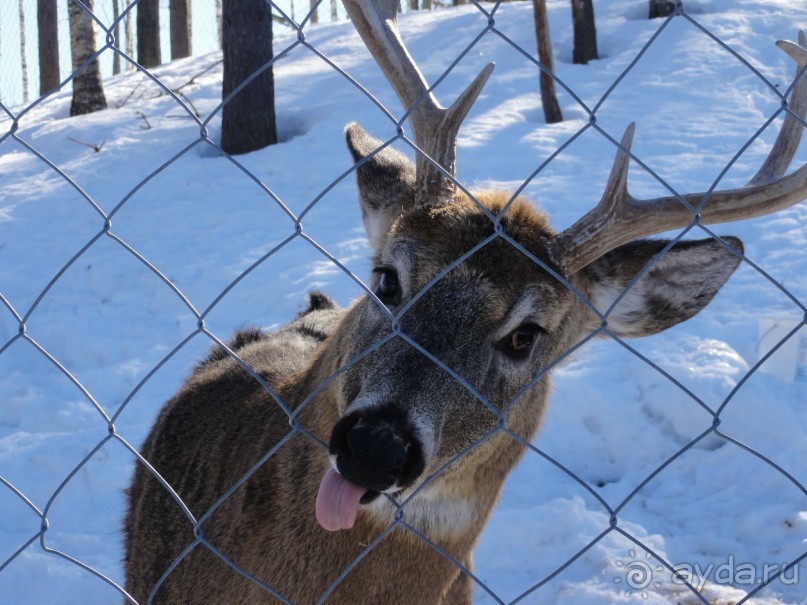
288, 232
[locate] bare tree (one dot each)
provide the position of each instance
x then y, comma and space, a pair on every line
88, 90
314, 15
23, 52
148, 33
248, 119
127, 26
218, 22
549, 98
180, 11
116, 33
585, 32
661, 8
48, 31
334, 13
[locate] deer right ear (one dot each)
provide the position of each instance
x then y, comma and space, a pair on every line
675, 288
386, 183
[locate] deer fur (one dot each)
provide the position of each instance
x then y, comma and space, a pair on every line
222, 421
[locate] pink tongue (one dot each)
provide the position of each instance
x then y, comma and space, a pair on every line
337, 502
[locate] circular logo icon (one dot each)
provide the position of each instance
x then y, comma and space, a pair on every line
637, 575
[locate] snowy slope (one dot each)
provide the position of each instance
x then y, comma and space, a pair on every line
110, 320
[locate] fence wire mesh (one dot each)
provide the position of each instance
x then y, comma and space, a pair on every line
290, 230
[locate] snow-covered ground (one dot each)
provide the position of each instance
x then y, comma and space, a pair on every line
109, 320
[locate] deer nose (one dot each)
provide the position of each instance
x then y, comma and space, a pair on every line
376, 453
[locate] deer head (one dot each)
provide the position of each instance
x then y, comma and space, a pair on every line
474, 298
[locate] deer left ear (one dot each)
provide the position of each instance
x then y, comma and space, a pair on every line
675, 288
386, 183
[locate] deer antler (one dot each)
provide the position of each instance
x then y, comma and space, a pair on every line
435, 127
620, 218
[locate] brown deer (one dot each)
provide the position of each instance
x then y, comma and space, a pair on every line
427, 388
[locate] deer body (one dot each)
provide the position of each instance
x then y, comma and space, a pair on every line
426, 390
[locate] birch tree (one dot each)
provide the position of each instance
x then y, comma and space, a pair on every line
88, 91
116, 33
218, 22
129, 32
23, 52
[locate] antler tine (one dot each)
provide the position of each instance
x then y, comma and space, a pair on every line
619, 218
435, 127
787, 142
613, 212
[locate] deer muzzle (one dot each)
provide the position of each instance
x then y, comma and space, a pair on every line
375, 450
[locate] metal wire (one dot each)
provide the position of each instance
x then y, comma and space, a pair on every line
296, 232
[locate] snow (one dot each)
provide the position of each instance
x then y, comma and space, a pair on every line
201, 222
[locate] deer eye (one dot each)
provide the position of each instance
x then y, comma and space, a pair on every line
518, 343
388, 289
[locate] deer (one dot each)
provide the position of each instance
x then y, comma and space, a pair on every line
354, 455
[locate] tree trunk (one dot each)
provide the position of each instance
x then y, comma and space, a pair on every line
148, 33
180, 28
661, 8
314, 16
248, 119
427, 5
48, 30
548, 97
127, 27
413, 5
334, 13
88, 91
218, 22
585, 32
116, 33
23, 53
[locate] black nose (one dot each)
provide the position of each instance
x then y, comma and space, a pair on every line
376, 450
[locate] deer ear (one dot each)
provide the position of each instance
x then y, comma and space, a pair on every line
386, 183
675, 288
